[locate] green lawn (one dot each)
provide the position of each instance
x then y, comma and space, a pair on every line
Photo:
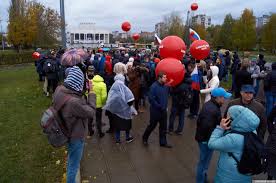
25, 155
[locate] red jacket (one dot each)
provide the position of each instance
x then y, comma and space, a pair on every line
108, 65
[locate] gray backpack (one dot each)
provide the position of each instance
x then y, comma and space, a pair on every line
53, 125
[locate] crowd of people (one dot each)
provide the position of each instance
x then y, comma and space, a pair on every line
119, 83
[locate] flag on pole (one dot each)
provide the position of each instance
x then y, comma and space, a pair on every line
158, 40
193, 35
195, 79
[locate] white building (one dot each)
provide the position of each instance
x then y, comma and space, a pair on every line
202, 20
261, 21
87, 35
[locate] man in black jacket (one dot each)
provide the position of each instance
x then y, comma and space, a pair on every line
247, 100
208, 119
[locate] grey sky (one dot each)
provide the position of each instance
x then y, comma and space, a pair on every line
144, 14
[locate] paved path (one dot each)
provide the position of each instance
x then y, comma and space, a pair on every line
105, 162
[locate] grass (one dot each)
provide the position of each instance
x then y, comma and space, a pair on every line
26, 155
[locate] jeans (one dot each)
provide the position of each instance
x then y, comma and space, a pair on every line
99, 120
194, 108
181, 112
205, 155
118, 134
155, 118
270, 102
75, 150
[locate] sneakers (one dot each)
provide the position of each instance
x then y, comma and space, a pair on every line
178, 133
118, 142
101, 135
166, 146
145, 143
129, 140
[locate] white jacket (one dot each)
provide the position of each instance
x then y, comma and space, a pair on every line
212, 84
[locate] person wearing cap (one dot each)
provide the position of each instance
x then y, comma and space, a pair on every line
75, 114
247, 100
208, 119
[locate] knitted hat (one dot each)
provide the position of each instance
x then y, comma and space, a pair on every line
75, 79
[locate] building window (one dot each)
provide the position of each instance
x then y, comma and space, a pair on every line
82, 36
90, 36
102, 37
77, 37
96, 37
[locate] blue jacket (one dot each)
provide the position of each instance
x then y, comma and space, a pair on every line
244, 120
101, 65
158, 97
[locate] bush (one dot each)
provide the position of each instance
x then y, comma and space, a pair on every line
12, 57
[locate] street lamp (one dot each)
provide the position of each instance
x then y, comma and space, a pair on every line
62, 15
3, 44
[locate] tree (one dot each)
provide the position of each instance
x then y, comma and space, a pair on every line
173, 25
200, 29
268, 37
213, 34
244, 31
31, 24
16, 26
225, 34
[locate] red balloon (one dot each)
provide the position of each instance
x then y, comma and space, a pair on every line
172, 46
126, 26
173, 68
200, 49
36, 55
157, 60
136, 36
194, 6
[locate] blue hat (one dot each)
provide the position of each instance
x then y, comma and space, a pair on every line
75, 79
220, 92
248, 89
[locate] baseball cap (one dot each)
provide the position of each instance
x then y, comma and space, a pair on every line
248, 89
220, 92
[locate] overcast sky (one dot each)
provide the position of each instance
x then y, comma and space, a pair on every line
144, 14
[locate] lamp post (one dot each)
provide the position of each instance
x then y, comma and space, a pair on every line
62, 15
2, 41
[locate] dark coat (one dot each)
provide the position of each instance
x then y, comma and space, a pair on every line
270, 80
257, 108
271, 143
158, 97
208, 119
134, 82
242, 77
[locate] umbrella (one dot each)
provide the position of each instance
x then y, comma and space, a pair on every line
106, 49
73, 57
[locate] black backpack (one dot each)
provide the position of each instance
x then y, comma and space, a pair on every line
49, 66
185, 98
253, 161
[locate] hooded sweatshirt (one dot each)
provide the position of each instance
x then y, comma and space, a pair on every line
212, 84
244, 120
99, 87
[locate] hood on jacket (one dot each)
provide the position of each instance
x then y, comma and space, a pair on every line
98, 78
215, 70
119, 77
243, 119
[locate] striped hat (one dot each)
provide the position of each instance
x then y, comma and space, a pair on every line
75, 79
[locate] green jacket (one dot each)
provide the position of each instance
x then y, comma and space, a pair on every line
99, 87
